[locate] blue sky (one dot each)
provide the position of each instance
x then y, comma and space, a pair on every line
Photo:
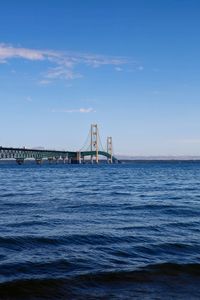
131, 66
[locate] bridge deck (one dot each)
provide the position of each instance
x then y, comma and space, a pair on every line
24, 153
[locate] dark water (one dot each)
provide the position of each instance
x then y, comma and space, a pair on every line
100, 232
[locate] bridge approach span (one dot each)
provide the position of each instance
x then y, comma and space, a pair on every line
20, 154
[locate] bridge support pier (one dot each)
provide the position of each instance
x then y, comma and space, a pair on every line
19, 161
64, 160
50, 160
38, 161
74, 161
78, 157
56, 160
110, 149
94, 142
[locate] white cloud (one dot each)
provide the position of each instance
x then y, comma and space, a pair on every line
86, 110
7, 52
62, 65
79, 110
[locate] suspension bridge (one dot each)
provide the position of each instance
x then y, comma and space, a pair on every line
90, 152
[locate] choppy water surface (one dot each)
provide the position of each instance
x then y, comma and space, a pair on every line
128, 231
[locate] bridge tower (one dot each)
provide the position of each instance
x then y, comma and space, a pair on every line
110, 149
94, 145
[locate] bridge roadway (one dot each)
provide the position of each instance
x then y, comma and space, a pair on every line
20, 154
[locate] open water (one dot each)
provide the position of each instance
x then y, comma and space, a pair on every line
128, 231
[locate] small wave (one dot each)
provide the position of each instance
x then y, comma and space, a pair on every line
31, 268
22, 242
180, 212
28, 223
115, 193
154, 206
25, 193
184, 224
7, 195
156, 277
175, 198
168, 248
18, 204
175, 269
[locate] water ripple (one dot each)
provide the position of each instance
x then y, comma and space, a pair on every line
100, 232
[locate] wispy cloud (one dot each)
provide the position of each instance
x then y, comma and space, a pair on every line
62, 73
7, 52
29, 99
140, 68
119, 69
62, 65
44, 82
79, 110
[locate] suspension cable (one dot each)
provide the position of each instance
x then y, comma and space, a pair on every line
85, 145
100, 143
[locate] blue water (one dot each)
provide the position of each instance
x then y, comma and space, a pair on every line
128, 231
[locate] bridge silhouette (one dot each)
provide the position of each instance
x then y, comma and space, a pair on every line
92, 148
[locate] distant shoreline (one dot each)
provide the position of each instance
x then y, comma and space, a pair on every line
123, 161
158, 160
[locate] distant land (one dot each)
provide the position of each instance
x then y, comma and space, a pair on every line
170, 157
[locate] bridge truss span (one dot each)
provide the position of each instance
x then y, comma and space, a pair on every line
20, 154
105, 154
